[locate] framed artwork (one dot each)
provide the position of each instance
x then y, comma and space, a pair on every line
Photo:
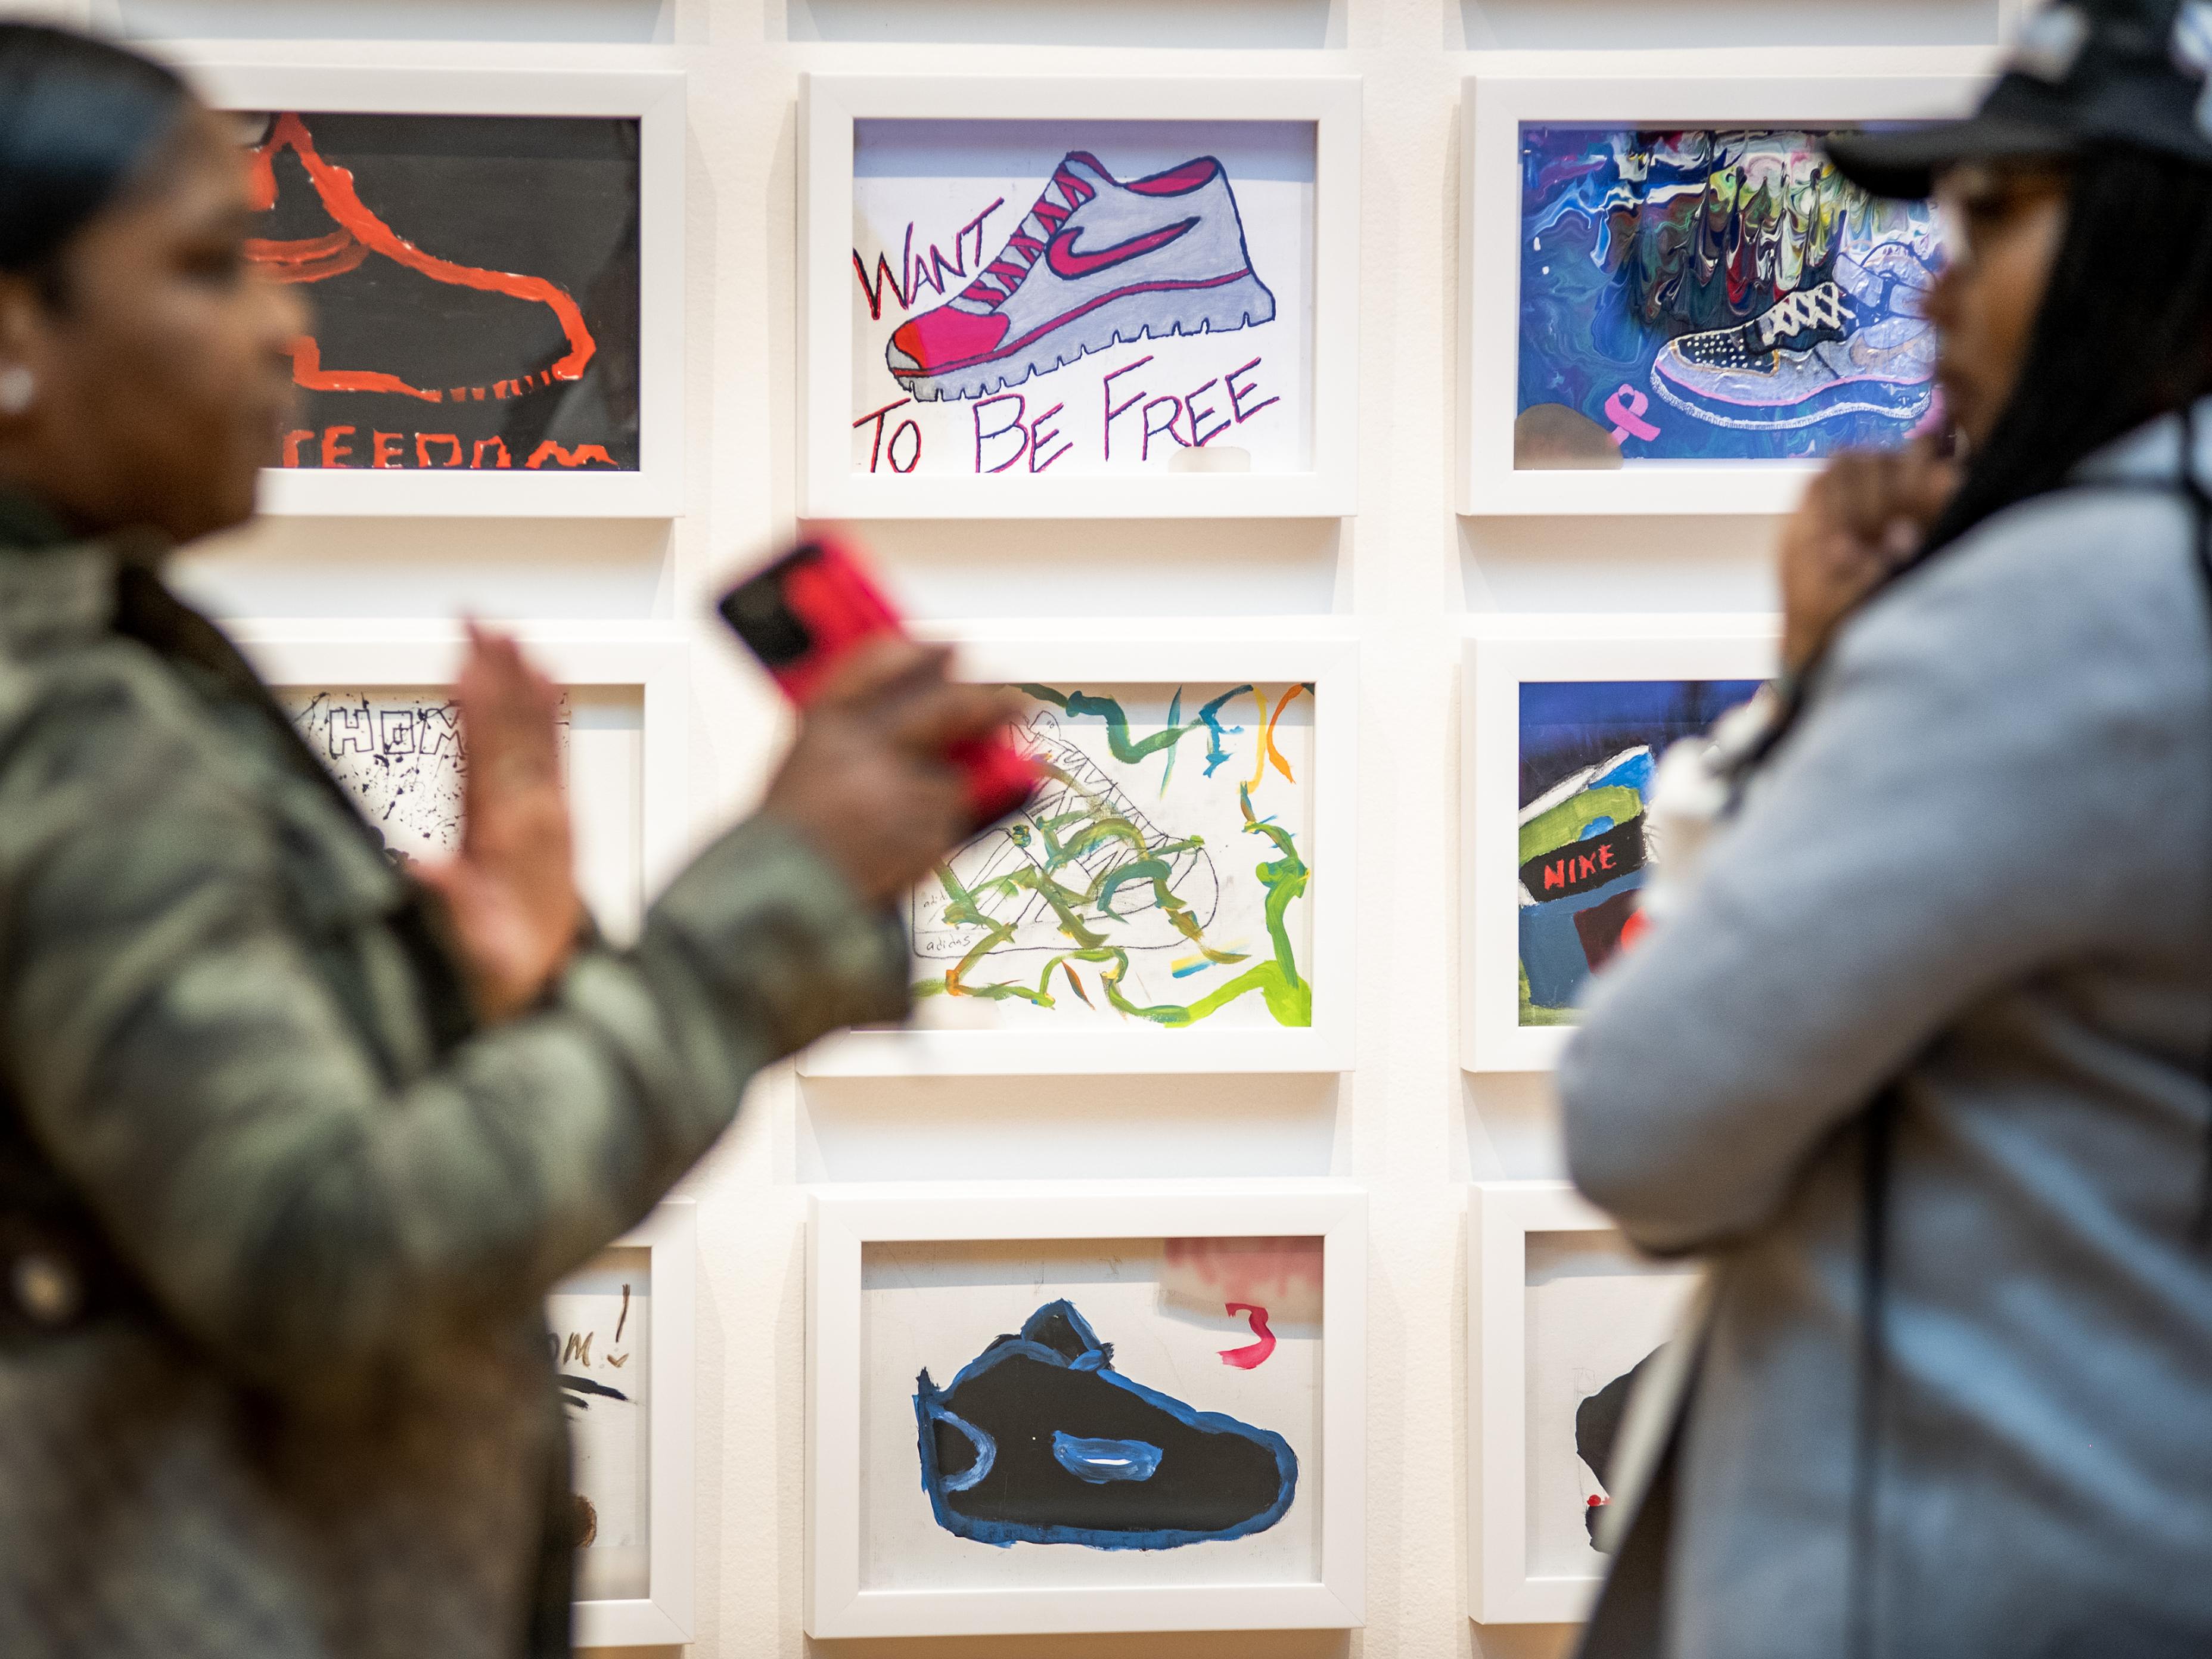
1082, 1407
621, 1332
1107, 297
1563, 1314
1673, 302
1565, 720
494, 262
373, 701
1177, 897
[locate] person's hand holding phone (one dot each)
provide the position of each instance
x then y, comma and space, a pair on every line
870, 781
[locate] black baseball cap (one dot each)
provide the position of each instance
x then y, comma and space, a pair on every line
2127, 71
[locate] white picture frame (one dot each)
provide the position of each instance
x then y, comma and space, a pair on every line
1500, 653
830, 104
664, 1614
651, 660
845, 1220
1503, 1586
1145, 651
327, 81
1745, 88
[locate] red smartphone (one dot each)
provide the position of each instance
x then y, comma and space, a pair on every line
805, 613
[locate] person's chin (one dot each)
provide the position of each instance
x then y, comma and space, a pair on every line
242, 506
227, 503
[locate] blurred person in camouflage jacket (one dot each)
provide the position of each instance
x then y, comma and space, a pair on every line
292, 1144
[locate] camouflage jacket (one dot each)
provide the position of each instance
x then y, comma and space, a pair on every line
277, 1219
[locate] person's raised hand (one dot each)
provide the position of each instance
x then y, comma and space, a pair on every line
1865, 515
866, 782
510, 889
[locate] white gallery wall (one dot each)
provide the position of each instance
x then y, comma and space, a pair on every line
1406, 1123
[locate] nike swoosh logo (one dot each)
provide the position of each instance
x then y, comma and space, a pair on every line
1066, 261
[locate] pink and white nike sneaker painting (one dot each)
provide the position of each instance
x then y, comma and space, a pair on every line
1096, 263
1093, 298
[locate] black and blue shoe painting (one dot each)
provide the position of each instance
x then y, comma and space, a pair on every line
1597, 1429
1039, 1440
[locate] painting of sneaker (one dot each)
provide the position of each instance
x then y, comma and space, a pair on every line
1096, 261
1588, 755
513, 333
473, 283
1157, 877
1040, 1440
1855, 345
1713, 295
1597, 1431
1081, 852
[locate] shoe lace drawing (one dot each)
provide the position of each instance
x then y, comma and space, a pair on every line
1081, 865
1040, 1440
445, 331
1855, 345
1095, 262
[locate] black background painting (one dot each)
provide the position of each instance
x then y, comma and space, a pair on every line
552, 200
1568, 725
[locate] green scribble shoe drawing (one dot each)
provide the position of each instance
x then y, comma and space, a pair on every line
1083, 876
1082, 863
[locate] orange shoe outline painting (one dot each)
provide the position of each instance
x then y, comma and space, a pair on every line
360, 234
454, 345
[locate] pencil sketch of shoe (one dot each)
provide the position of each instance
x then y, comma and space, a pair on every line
1039, 1440
1080, 868
411, 324
1856, 344
1096, 261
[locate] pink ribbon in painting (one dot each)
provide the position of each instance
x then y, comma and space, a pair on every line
1625, 408
1246, 1357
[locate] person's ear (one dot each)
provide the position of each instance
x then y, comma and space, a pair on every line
23, 321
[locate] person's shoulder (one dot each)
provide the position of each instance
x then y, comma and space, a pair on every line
55, 604
2082, 573
59, 606
2110, 539
83, 709
84, 692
